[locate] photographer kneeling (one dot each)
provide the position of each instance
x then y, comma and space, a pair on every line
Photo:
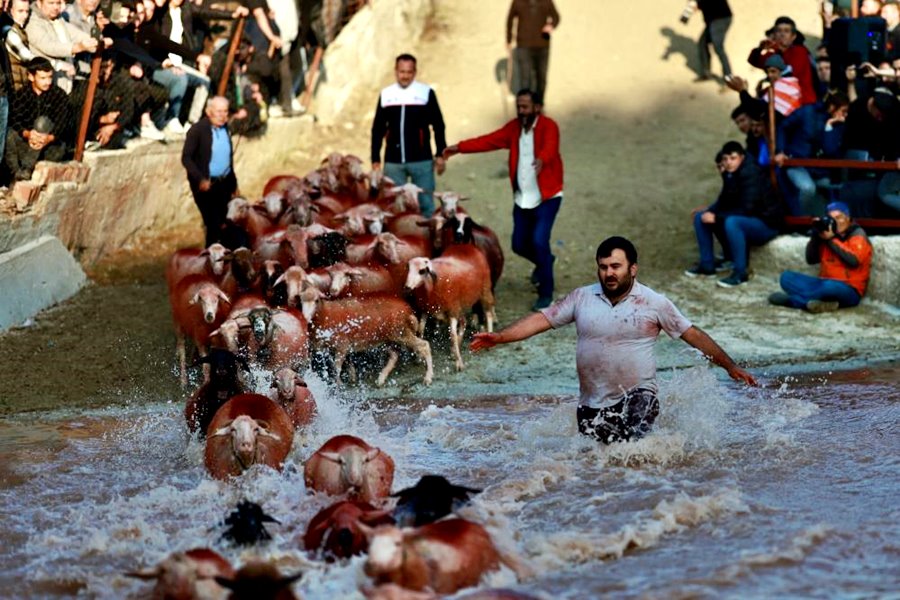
845, 255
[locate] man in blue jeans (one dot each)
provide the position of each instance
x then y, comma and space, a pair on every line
536, 175
745, 214
844, 254
407, 112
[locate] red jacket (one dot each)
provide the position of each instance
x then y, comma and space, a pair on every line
546, 148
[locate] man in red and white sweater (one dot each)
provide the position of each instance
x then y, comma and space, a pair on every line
536, 174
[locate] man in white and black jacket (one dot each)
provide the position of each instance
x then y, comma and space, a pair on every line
405, 112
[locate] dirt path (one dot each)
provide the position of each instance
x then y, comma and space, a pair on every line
638, 138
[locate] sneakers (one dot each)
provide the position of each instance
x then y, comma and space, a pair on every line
820, 306
779, 299
150, 132
724, 266
541, 303
275, 111
698, 271
174, 127
732, 280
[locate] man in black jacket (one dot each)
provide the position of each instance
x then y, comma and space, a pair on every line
207, 157
405, 112
746, 213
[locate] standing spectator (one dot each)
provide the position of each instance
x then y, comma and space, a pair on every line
50, 36
207, 157
890, 12
745, 213
406, 110
17, 43
536, 174
844, 252
717, 17
534, 20
25, 149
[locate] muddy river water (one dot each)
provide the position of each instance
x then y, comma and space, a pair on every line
786, 491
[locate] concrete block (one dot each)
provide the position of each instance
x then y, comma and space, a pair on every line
35, 276
54, 172
788, 253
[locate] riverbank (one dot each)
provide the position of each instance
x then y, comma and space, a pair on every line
637, 140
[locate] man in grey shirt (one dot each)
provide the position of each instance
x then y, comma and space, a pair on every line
618, 321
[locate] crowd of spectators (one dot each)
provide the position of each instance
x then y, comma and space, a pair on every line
820, 112
159, 60
849, 112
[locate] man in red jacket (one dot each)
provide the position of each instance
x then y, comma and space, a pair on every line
536, 174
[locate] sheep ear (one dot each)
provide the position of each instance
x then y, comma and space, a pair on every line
243, 322
204, 252
464, 198
332, 456
373, 453
266, 433
222, 431
144, 574
370, 517
194, 299
224, 297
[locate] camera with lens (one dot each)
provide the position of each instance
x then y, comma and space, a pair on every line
823, 224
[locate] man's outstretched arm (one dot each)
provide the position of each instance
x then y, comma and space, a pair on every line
524, 328
699, 339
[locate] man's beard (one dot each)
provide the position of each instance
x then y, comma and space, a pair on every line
527, 120
622, 287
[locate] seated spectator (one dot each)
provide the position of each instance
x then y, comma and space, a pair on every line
113, 111
50, 36
844, 254
745, 213
890, 12
24, 149
17, 43
42, 98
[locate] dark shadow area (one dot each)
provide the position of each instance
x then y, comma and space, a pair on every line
683, 45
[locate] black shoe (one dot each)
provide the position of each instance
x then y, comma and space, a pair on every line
779, 299
724, 266
541, 303
698, 271
732, 280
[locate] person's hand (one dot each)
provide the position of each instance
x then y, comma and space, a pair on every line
68, 69
107, 42
89, 45
509, 46
177, 71
708, 217
779, 159
136, 71
736, 83
484, 341
36, 140
699, 209
826, 235
538, 165
205, 184
547, 28
105, 133
850, 72
203, 63
276, 42
240, 11
240, 114
440, 165
450, 151
838, 118
376, 166
868, 69
739, 374
167, 63
109, 118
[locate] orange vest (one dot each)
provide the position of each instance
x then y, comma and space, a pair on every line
832, 268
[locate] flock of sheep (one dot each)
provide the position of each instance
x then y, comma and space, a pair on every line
336, 264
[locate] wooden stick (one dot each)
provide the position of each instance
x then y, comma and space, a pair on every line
238, 29
854, 9
837, 163
311, 77
88, 105
771, 140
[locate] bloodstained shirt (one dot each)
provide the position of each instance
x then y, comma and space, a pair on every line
615, 342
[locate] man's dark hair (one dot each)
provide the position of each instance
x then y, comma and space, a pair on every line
733, 147
836, 99
740, 110
405, 57
719, 156
535, 97
39, 63
617, 242
823, 59
786, 21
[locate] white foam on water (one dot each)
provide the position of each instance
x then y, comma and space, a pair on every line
560, 550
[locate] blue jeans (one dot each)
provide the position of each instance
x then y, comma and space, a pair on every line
736, 233
4, 123
531, 240
420, 173
801, 192
889, 190
802, 288
177, 86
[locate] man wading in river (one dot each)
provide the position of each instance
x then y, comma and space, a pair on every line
618, 321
